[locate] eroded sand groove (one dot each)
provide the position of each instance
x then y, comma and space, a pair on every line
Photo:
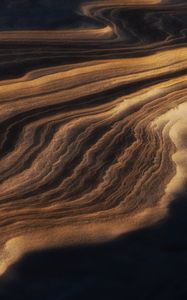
92, 146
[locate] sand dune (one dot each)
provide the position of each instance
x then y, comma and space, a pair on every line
93, 125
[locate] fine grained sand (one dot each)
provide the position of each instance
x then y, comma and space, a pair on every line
93, 138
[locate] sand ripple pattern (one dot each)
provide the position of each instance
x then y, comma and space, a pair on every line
92, 124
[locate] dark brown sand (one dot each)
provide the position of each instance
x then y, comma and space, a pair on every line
93, 138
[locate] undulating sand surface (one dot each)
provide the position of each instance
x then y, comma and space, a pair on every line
93, 134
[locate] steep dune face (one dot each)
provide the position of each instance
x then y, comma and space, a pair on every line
93, 125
